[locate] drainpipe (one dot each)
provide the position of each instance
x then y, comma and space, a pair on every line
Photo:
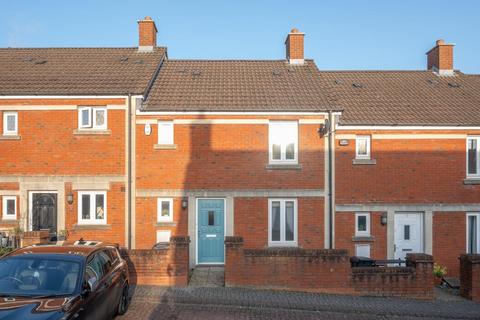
129, 172
330, 181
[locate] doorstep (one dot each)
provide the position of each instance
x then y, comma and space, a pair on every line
207, 276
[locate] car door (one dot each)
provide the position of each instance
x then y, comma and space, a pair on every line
95, 302
111, 281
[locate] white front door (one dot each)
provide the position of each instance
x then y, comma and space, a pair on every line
408, 234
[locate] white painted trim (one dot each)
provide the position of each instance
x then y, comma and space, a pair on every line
62, 97
422, 228
283, 145
6, 216
283, 243
7, 132
476, 214
166, 113
196, 229
226, 121
52, 107
477, 174
366, 245
362, 233
406, 136
340, 127
81, 125
30, 206
92, 220
159, 210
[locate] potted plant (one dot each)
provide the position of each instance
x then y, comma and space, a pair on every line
439, 272
62, 235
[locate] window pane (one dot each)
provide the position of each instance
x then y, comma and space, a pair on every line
362, 147
406, 232
11, 123
472, 234
276, 152
290, 151
99, 206
165, 133
361, 223
10, 207
86, 206
289, 221
165, 209
472, 156
211, 218
85, 117
99, 118
275, 221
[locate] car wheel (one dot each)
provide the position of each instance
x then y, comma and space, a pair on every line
124, 301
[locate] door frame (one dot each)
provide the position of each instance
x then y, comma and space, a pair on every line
196, 230
422, 230
30, 206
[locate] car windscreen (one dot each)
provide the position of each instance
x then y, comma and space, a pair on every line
36, 276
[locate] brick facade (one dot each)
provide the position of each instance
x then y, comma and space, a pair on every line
470, 276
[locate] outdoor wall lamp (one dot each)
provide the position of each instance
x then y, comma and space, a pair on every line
70, 198
184, 203
383, 219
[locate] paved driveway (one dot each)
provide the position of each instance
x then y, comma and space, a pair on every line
237, 303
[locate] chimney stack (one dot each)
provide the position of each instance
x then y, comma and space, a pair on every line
147, 34
294, 46
440, 58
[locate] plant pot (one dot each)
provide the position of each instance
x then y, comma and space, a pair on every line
438, 281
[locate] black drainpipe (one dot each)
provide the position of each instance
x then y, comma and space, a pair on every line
330, 181
129, 172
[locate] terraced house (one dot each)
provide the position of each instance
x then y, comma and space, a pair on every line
130, 146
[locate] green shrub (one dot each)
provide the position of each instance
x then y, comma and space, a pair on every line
5, 250
439, 271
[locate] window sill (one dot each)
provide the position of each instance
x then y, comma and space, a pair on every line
88, 132
166, 224
92, 227
164, 146
284, 166
9, 221
471, 181
10, 137
363, 238
364, 161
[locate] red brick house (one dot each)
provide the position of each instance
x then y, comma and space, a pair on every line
215, 148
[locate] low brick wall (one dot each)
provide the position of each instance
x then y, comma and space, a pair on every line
470, 276
326, 271
165, 266
35, 237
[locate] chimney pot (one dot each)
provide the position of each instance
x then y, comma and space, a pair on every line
294, 47
147, 34
440, 58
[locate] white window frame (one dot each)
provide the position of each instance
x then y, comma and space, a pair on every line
477, 174
91, 125
476, 214
365, 233
271, 140
166, 137
159, 210
283, 242
7, 132
92, 219
6, 216
365, 245
368, 140
168, 234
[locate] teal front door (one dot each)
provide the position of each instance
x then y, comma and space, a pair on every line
211, 231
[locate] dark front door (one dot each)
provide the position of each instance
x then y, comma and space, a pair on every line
44, 212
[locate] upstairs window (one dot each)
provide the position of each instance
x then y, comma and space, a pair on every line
92, 118
9, 205
10, 123
362, 147
473, 156
92, 207
165, 132
283, 142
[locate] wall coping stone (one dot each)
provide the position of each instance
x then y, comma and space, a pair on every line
296, 252
471, 258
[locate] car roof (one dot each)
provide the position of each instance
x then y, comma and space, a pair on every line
79, 248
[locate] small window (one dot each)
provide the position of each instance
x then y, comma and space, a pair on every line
473, 156
164, 210
406, 232
282, 222
211, 218
362, 147
92, 207
10, 123
473, 233
362, 250
163, 236
92, 118
9, 205
283, 142
362, 224
165, 132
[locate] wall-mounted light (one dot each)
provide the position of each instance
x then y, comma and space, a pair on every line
184, 203
383, 219
70, 198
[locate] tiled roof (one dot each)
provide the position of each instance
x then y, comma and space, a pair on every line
237, 85
76, 71
405, 97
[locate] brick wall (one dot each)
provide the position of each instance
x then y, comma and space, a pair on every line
167, 266
29, 238
323, 270
470, 276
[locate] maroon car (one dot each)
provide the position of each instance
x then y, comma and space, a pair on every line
75, 280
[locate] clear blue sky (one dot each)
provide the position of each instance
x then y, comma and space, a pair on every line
355, 34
